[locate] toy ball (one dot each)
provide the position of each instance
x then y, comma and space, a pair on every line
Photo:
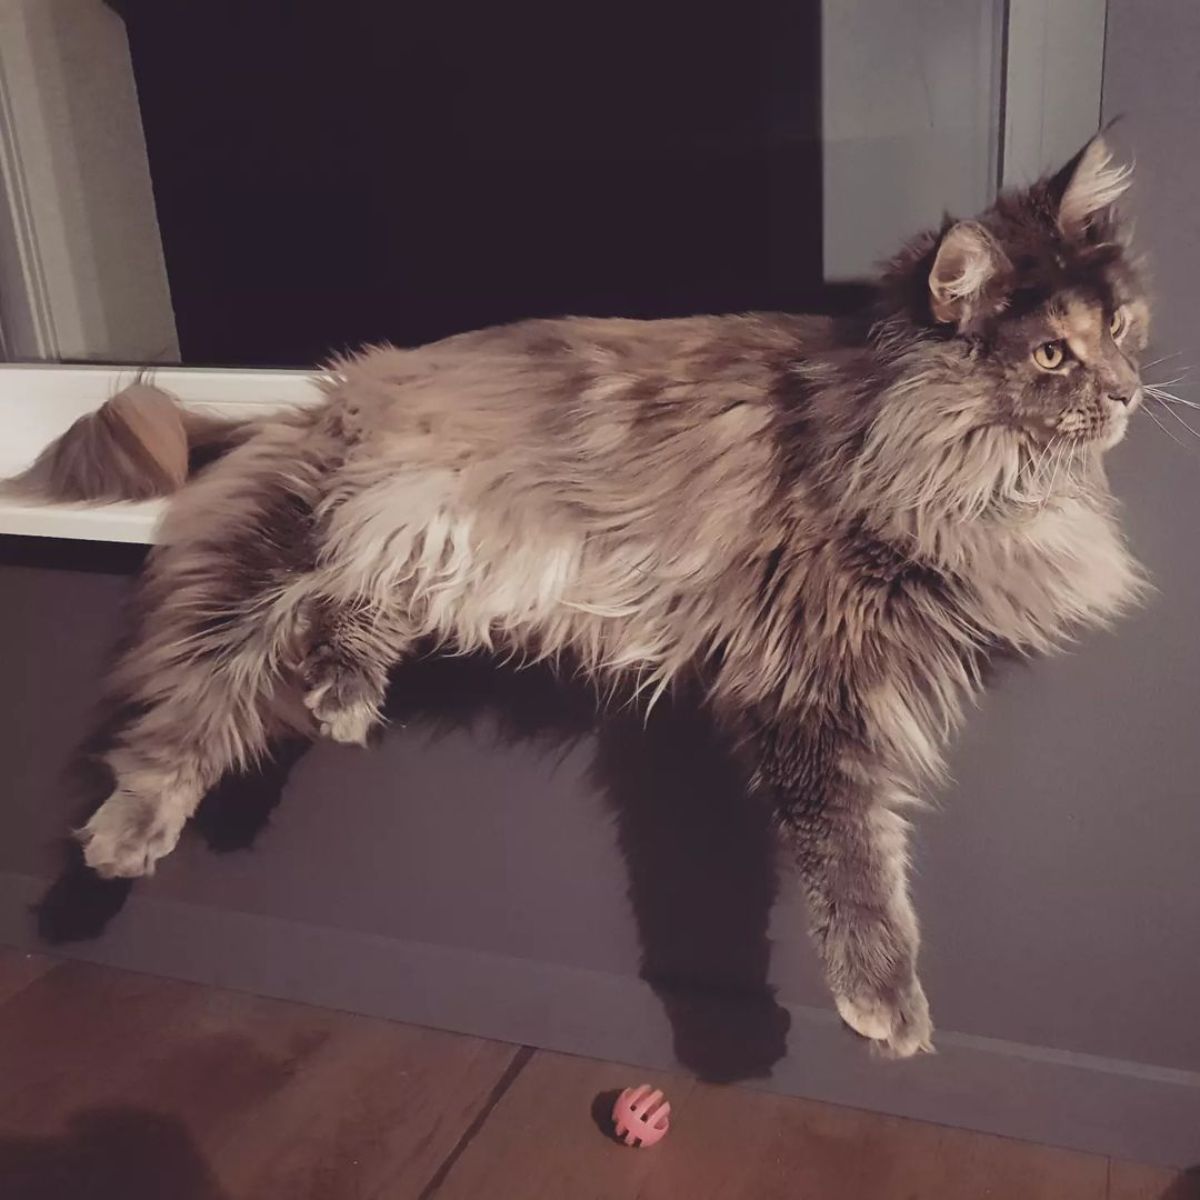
641, 1116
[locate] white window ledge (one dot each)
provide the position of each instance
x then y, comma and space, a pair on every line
38, 403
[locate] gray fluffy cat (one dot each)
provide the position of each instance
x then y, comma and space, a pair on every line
834, 525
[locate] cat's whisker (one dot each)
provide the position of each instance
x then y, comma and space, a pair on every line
1060, 452
1169, 382
1169, 397
1150, 414
1173, 413
1164, 389
1048, 483
1044, 465
1032, 465
1036, 467
1161, 359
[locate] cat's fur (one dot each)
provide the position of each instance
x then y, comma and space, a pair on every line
834, 526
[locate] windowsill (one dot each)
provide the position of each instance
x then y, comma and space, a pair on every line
39, 403
91, 523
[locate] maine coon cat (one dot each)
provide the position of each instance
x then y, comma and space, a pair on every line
834, 525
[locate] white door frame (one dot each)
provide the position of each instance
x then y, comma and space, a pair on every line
82, 276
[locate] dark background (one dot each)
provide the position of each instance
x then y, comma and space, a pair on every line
332, 174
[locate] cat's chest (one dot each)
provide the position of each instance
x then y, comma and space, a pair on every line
1066, 567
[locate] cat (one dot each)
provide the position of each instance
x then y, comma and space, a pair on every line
835, 524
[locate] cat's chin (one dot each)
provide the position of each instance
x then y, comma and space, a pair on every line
1113, 433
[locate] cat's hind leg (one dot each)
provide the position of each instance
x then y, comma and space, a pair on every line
196, 713
208, 677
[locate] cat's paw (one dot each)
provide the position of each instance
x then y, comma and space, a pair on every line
351, 726
344, 703
128, 835
898, 1026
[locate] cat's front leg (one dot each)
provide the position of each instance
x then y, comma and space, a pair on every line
352, 646
835, 806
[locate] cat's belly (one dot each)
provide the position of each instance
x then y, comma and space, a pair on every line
525, 574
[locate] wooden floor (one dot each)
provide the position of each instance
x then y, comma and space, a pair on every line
125, 1086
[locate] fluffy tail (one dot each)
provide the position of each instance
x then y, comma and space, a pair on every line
140, 444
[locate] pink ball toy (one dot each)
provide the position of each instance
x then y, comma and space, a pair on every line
641, 1116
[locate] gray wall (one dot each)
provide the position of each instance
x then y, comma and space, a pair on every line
501, 864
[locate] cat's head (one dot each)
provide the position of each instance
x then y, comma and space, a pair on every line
1042, 297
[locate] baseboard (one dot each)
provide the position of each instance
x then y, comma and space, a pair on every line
1084, 1102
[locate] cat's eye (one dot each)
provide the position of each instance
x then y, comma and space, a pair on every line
1050, 356
1116, 323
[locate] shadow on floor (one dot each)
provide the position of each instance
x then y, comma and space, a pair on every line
124, 1153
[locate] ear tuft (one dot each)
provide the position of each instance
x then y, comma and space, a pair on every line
968, 275
1088, 186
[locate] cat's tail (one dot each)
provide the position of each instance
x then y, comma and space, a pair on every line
140, 444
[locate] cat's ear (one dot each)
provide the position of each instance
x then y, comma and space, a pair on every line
1087, 188
969, 274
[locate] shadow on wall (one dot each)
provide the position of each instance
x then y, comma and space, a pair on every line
699, 851
108, 1152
